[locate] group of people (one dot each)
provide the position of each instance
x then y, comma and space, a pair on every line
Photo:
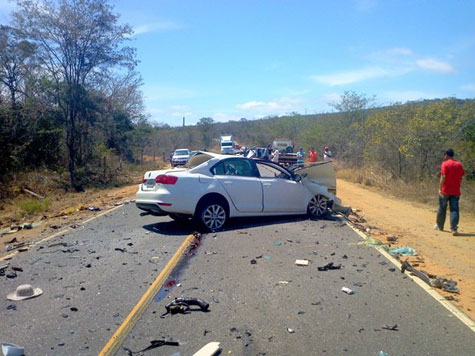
313, 156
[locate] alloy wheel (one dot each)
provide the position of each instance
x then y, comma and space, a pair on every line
318, 205
214, 217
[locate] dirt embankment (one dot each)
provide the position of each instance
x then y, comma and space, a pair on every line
442, 254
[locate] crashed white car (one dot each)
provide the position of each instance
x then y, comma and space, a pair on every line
212, 188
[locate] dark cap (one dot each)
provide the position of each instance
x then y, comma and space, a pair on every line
449, 152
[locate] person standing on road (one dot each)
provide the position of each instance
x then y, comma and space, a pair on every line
312, 155
275, 156
327, 154
451, 174
300, 156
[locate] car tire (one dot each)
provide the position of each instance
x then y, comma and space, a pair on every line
179, 217
318, 206
212, 215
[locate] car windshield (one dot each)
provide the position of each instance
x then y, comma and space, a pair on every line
182, 153
226, 143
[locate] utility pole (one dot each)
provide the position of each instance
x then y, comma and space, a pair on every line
183, 121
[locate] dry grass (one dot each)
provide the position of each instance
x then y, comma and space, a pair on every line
421, 192
17, 205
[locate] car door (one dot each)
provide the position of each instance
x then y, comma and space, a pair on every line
239, 178
281, 193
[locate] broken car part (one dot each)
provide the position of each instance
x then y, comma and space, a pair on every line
153, 345
182, 306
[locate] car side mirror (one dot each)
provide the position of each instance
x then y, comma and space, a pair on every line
297, 178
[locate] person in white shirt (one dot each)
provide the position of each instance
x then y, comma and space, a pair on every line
327, 154
275, 156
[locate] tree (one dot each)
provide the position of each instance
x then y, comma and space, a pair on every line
205, 127
78, 41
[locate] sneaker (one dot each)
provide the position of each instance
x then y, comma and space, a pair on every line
455, 233
436, 227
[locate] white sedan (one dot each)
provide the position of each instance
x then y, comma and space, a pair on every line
212, 188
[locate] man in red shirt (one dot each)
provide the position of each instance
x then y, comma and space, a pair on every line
451, 173
312, 155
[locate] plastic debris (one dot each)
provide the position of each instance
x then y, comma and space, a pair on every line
291, 331
301, 262
153, 345
209, 349
277, 243
347, 290
12, 350
390, 327
402, 251
329, 266
372, 242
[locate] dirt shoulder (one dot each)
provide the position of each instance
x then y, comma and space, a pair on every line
439, 252
68, 210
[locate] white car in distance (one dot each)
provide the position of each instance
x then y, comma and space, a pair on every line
212, 188
180, 157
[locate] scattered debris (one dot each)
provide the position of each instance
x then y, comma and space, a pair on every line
402, 251
448, 285
301, 262
11, 307
209, 349
390, 327
267, 256
24, 291
253, 262
93, 208
329, 266
372, 242
153, 345
347, 290
392, 239
182, 306
277, 243
291, 331
124, 250
283, 282
12, 350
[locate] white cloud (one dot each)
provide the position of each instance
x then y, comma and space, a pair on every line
349, 77
435, 65
468, 87
157, 26
409, 95
275, 107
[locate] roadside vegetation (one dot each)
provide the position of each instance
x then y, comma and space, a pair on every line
72, 117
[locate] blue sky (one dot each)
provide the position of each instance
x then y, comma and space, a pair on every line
231, 59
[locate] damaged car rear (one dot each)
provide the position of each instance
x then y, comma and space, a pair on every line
212, 188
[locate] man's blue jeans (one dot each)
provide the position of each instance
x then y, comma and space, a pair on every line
453, 201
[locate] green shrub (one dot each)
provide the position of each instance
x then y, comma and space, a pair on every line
33, 206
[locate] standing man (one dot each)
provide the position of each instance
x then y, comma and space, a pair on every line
300, 156
451, 173
275, 156
312, 155
327, 154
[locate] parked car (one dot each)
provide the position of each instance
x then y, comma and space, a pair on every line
180, 157
212, 188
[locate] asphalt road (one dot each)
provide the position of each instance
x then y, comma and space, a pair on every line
90, 287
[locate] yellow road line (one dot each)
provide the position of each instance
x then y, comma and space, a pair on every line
464, 318
121, 333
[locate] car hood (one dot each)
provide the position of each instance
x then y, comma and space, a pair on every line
322, 173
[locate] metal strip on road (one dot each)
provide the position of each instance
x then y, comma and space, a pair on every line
121, 333
434, 294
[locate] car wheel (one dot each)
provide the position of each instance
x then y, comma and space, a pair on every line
179, 217
317, 206
212, 216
